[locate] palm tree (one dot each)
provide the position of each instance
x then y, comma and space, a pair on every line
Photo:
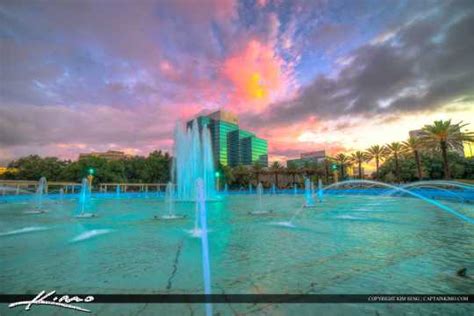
226, 173
444, 135
326, 163
413, 146
308, 169
292, 170
359, 157
343, 161
241, 175
276, 169
395, 149
257, 170
376, 152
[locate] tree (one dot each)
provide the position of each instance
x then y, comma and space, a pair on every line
376, 152
395, 149
407, 169
136, 169
158, 167
292, 170
414, 145
241, 175
34, 167
226, 173
359, 158
326, 165
276, 168
152, 169
257, 170
444, 136
343, 161
432, 166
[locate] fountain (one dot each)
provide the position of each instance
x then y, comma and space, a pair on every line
273, 189
403, 190
117, 190
250, 188
308, 194
169, 201
295, 189
193, 160
260, 210
226, 189
309, 203
84, 201
206, 269
320, 190
39, 195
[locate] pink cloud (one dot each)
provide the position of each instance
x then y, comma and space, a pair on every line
257, 76
262, 3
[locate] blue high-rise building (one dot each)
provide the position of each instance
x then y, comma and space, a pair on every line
231, 145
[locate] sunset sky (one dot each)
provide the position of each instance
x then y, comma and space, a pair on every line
79, 76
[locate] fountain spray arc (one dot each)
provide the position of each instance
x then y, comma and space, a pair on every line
193, 160
320, 190
84, 201
405, 191
39, 196
308, 194
260, 210
40, 192
169, 202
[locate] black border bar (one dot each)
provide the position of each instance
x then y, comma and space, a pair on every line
256, 298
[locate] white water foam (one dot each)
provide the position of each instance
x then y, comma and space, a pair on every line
90, 234
349, 217
284, 224
196, 233
24, 230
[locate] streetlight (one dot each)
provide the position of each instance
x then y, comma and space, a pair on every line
90, 177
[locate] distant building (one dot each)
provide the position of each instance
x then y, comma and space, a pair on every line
232, 146
109, 155
419, 133
309, 157
416, 133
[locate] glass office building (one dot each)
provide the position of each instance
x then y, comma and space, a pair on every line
231, 145
254, 150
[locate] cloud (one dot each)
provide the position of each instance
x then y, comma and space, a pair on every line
87, 75
84, 128
256, 74
422, 67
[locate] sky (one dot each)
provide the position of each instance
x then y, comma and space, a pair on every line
80, 76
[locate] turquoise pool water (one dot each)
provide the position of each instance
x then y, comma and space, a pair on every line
347, 245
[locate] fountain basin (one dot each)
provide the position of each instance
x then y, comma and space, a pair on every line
399, 245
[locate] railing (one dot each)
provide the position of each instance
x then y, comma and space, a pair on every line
25, 184
144, 187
